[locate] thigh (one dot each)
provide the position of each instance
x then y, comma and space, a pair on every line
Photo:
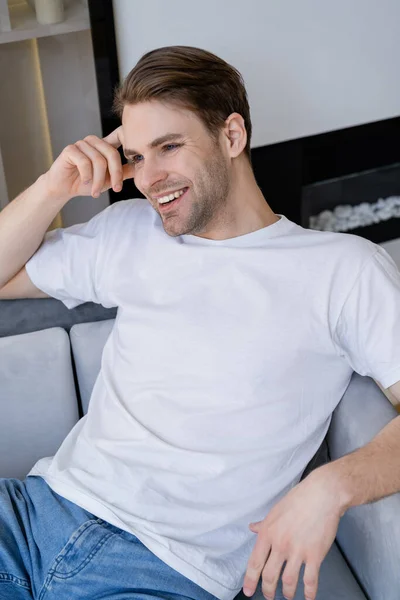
35, 523
14, 550
102, 561
51, 549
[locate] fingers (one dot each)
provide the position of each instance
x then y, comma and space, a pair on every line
311, 580
290, 577
81, 162
89, 166
127, 171
106, 164
268, 564
117, 172
255, 565
271, 574
115, 138
99, 166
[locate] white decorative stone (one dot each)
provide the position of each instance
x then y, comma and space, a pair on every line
346, 216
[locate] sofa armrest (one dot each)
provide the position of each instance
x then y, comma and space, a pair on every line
369, 535
25, 315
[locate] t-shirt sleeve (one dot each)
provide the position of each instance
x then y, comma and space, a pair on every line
70, 264
368, 329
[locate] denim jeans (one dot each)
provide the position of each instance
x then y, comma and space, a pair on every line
51, 549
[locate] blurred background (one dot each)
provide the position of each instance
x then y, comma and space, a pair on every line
322, 79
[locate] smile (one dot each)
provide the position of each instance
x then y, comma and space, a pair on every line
169, 207
172, 196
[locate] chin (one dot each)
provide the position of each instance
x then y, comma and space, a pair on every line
174, 232
174, 228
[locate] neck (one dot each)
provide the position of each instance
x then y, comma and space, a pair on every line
245, 210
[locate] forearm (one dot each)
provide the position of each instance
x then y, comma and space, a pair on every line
369, 473
23, 224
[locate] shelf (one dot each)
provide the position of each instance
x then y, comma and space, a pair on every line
50, 98
24, 25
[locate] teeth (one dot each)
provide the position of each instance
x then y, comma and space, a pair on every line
170, 197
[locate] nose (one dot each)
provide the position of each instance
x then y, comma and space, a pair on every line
150, 174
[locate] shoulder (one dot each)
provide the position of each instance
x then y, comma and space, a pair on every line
353, 247
332, 262
126, 216
336, 248
135, 208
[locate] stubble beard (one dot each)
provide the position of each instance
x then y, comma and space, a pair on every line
208, 201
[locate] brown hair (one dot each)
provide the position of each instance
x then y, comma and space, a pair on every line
194, 78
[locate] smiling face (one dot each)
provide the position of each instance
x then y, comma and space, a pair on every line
173, 153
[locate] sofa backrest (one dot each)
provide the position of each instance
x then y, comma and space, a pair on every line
39, 398
38, 401
87, 342
35, 314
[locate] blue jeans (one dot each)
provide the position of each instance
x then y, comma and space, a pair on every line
51, 549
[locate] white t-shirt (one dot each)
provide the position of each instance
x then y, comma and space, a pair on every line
219, 377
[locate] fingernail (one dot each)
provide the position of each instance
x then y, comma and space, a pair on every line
247, 592
117, 188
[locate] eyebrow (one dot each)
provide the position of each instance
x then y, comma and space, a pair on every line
168, 137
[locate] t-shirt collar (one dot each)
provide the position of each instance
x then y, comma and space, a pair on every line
248, 239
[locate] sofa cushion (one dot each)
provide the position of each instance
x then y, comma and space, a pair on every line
37, 398
87, 341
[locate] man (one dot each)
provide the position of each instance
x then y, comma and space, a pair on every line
236, 336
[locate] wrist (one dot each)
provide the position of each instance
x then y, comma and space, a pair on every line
334, 479
48, 195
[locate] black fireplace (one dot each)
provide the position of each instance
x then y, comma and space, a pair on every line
365, 203
345, 180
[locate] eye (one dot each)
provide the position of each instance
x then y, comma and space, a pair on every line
135, 159
138, 158
169, 147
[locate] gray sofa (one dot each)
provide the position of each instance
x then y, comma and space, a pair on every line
49, 360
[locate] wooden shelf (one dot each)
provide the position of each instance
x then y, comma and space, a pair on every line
50, 99
24, 25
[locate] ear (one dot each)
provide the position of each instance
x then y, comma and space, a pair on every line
235, 135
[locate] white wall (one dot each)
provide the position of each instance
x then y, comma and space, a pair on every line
310, 66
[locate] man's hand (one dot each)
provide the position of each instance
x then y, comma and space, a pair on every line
88, 167
299, 529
